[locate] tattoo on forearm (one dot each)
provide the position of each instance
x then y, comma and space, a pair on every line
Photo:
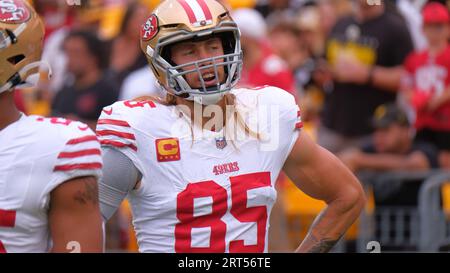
316, 244
323, 246
89, 194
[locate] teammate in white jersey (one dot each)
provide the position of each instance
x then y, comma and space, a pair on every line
48, 166
198, 182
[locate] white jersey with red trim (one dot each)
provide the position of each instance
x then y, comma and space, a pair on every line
37, 155
201, 191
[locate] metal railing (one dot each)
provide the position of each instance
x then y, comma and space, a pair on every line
434, 225
420, 227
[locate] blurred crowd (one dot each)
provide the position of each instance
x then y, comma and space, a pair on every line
372, 81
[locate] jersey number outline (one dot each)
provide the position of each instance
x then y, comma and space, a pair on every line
239, 186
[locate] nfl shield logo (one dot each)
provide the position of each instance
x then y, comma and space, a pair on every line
221, 143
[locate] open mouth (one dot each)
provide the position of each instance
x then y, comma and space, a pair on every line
209, 78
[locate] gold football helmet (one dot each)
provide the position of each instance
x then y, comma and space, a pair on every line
21, 39
174, 21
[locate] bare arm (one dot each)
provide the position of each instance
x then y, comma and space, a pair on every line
322, 176
387, 162
356, 160
437, 102
387, 78
74, 216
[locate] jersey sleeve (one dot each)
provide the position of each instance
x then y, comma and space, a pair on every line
80, 155
289, 111
115, 130
287, 122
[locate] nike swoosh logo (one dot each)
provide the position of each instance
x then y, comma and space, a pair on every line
108, 111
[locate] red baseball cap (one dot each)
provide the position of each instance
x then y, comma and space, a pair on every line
435, 13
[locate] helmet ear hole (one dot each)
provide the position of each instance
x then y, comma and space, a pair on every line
166, 54
228, 42
16, 59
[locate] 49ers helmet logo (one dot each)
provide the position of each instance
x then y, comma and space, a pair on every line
13, 12
150, 28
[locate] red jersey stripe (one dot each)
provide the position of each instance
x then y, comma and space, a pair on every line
81, 166
115, 133
79, 153
118, 144
114, 122
82, 140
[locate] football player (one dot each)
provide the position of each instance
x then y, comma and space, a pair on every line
200, 167
48, 166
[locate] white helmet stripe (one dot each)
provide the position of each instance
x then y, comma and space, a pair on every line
197, 11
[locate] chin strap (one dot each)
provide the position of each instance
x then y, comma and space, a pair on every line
208, 99
19, 80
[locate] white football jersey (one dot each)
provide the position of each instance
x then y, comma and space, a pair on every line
36, 155
201, 191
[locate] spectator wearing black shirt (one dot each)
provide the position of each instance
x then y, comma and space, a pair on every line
393, 147
84, 97
365, 53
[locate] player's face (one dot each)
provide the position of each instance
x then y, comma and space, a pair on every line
78, 56
364, 7
436, 33
390, 139
189, 51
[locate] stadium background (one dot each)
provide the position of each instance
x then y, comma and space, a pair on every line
293, 34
